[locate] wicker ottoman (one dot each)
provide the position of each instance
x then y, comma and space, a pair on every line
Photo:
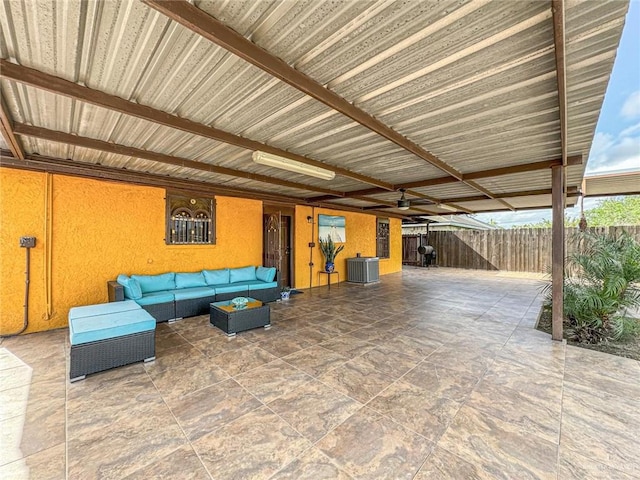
230, 320
109, 335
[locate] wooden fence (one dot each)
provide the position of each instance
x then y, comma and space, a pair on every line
518, 250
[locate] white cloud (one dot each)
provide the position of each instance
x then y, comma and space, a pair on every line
614, 154
631, 106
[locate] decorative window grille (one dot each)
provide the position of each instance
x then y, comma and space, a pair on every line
190, 220
382, 238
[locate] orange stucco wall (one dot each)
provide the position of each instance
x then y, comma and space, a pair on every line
95, 230
98, 230
361, 238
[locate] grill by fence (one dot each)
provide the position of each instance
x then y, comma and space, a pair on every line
518, 250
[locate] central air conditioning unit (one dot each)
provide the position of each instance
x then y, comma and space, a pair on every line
363, 270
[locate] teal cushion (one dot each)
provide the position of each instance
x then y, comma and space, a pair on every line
190, 280
196, 292
101, 327
238, 287
266, 274
258, 285
156, 283
102, 309
216, 277
131, 287
244, 274
154, 298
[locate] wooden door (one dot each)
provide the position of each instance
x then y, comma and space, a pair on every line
277, 251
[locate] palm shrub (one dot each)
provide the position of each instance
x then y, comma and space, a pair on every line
601, 284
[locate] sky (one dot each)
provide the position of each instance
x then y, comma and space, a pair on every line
616, 144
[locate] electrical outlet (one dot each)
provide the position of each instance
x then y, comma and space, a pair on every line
312, 244
28, 242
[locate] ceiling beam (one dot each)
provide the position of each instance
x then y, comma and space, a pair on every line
6, 126
481, 189
217, 32
60, 86
559, 42
40, 163
109, 147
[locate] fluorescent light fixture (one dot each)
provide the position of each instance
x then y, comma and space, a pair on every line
447, 207
291, 165
403, 203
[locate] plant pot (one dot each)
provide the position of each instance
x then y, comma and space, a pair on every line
328, 267
285, 295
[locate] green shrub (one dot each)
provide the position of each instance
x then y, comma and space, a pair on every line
601, 284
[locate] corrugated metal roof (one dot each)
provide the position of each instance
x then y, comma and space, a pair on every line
471, 82
612, 184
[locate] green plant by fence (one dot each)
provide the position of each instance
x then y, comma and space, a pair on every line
517, 250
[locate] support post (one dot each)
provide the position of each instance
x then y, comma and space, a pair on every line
557, 241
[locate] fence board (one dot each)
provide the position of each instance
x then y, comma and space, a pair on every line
524, 250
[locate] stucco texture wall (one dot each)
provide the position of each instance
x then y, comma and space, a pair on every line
361, 238
98, 230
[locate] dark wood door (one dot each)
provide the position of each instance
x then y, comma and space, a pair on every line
277, 243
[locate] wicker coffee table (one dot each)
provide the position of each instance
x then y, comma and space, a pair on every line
232, 320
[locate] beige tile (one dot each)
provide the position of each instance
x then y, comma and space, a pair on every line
214, 346
182, 464
314, 409
442, 465
359, 380
442, 381
243, 359
416, 409
47, 464
348, 346
256, 446
370, 445
315, 360
210, 408
284, 345
312, 465
182, 380
492, 445
388, 361
131, 443
180, 356
601, 426
573, 466
272, 380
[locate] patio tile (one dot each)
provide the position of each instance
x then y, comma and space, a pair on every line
210, 408
492, 445
182, 463
602, 426
122, 447
357, 379
417, 409
442, 465
243, 359
284, 345
371, 446
442, 381
272, 380
389, 361
347, 346
312, 465
217, 344
315, 360
169, 340
182, 380
46, 464
174, 357
314, 409
465, 359
573, 466
255, 446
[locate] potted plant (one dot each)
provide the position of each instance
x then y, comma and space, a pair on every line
330, 251
285, 293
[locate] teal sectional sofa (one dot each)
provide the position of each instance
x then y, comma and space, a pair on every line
177, 295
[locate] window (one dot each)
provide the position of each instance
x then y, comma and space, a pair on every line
382, 238
190, 220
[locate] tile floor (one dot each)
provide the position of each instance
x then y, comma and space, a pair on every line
432, 373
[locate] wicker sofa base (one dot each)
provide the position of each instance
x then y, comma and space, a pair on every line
241, 320
93, 357
193, 306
